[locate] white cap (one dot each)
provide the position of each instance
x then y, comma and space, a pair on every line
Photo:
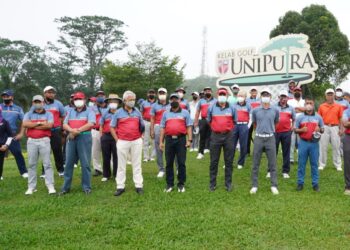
265, 90
253, 88
195, 93
235, 86
38, 98
283, 92
47, 88
329, 91
162, 89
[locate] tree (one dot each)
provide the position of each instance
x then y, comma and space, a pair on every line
147, 68
329, 46
88, 40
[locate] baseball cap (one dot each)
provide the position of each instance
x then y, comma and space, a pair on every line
265, 90
174, 95
100, 92
222, 91
339, 88
253, 88
8, 92
79, 95
162, 90
283, 92
181, 89
151, 91
329, 91
291, 81
207, 88
195, 93
38, 98
235, 86
93, 99
47, 88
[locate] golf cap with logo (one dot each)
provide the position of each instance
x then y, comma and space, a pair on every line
207, 88
339, 88
265, 90
330, 91
174, 95
38, 98
222, 91
235, 86
8, 92
162, 90
47, 88
100, 92
283, 93
181, 89
79, 95
253, 88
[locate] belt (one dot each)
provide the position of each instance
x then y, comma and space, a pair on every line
57, 128
85, 133
239, 123
175, 136
332, 125
264, 135
221, 133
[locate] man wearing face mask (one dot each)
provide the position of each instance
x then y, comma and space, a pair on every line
14, 114
98, 109
183, 102
241, 130
254, 102
78, 123
38, 123
232, 100
126, 128
298, 103
340, 100
195, 135
175, 125
331, 113
56, 108
108, 144
222, 118
149, 151
157, 111
265, 118
307, 126
283, 133
92, 101
204, 127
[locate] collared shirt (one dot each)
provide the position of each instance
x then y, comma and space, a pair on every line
105, 120
57, 110
67, 108
12, 114
35, 117
98, 113
265, 119
287, 115
193, 109
184, 104
309, 121
330, 113
157, 111
175, 123
346, 117
243, 111
203, 106
145, 109
232, 100
344, 103
77, 119
253, 102
294, 103
221, 119
127, 125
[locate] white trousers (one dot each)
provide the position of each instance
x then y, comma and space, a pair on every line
330, 135
149, 150
96, 150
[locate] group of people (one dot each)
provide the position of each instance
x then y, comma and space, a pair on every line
110, 131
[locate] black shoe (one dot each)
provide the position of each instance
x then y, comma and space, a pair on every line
87, 191
119, 192
229, 188
300, 187
63, 192
97, 173
212, 188
139, 191
316, 188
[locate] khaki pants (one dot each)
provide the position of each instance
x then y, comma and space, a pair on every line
330, 135
134, 148
96, 150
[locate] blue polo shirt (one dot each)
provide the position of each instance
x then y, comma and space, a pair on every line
344, 103
76, 119
12, 114
184, 104
33, 116
309, 121
203, 106
253, 102
57, 110
243, 110
287, 115
145, 108
105, 120
175, 123
221, 120
346, 117
67, 108
265, 119
157, 111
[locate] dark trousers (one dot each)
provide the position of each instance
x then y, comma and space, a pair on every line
285, 138
15, 149
175, 147
204, 133
240, 133
2, 157
346, 155
56, 147
250, 138
218, 142
109, 149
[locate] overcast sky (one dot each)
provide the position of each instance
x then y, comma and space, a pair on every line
175, 26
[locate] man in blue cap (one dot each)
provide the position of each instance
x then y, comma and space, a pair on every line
14, 114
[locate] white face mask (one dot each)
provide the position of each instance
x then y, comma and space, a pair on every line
180, 94
265, 99
90, 104
130, 104
240, 99
162, 97
338, 94
79, 103
113, 105
222, 99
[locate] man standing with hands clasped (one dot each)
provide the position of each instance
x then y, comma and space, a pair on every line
175, 125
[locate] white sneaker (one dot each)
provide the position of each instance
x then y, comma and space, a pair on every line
181, 189
268, 175
339, 169
286, 176
239, 166
168, 190
42, 176
196, 149
30, 191
104, 179
347, 192
320, 168
191, 150
274, 190
200, 156
223, 166
145, 160
1, 178
128, 162
206, 151
152, 159
25, 175
160, 174
253, 190
51, 189
60, 174
75, 165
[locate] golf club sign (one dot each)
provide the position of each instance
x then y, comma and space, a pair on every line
283, 58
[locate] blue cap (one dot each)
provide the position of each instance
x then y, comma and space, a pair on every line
174, 95
8, 92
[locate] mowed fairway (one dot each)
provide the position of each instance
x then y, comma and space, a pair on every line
196, 219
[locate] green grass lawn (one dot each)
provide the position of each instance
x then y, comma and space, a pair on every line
191, 220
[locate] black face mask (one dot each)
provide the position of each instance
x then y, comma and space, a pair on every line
297, 95
151, 97
195, 98
7, 101
174, 105
208, 95
49, 100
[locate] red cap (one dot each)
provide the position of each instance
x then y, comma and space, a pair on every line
222, 91
79, 95
93, 99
